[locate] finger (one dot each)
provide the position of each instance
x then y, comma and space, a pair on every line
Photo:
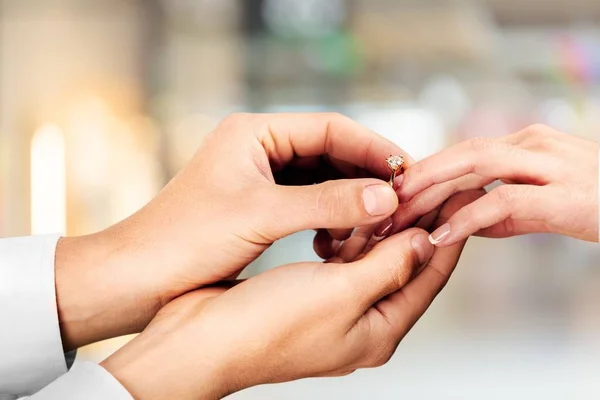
382, 231
399, 311
354, 245
324, 245
431, 198
508, 201
427, 220
331, 205
363, 238
284, 136
370, 245
513, 227
340, 234
389, 266
402, 309
486, 157
534, 135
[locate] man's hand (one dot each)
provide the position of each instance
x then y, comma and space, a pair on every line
221, 212
295, 321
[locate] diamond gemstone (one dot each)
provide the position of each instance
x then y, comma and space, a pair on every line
394, 162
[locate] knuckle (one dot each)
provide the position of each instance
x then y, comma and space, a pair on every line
537, 129
525, 191
460, 202
468, 213
233, 121
334, 121
539, 143
482, 144
330, 202
338, 373
381, 354
415, 170
335, 116
539, 137
403, 269
443, 283
527, 134
347, 372
507, 194
400, 259
236, 117
551, 142
509, 226
551, 145
399, 270
461, 199
443, 280
440, 275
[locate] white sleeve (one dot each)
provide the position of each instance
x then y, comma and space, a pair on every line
31, 353
86, 380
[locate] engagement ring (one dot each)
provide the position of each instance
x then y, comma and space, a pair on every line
395, 164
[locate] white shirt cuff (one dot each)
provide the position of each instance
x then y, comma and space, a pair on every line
86, 380
31, 352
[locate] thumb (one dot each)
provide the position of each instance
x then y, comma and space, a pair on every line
335, 204
390, 265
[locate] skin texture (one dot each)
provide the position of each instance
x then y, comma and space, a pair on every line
255, 179
550, 185
299, 320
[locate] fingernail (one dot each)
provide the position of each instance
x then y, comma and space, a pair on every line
335, 244
422, 247
398, 182
379, 200
439, 234
382, 231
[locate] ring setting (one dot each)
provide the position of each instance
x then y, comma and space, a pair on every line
395, 164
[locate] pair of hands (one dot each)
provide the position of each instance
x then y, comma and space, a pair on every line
550, 186
237, 196
228, 205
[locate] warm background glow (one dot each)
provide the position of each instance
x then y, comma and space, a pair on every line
103, 101
48, 181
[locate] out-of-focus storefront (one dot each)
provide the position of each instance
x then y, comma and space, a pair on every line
101, 102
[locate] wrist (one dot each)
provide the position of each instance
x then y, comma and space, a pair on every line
98, 297
151, 367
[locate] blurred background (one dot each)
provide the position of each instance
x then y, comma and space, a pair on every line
101, 102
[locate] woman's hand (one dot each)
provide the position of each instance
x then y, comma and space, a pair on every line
221, 212
551, 185
296, 321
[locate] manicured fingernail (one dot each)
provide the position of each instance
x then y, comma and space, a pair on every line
379, 200
439, 234
422, 247
382, 231
398, 182
335, 245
